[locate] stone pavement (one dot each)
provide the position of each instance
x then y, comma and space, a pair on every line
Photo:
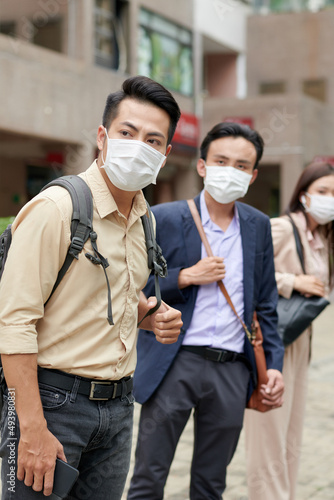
316, 476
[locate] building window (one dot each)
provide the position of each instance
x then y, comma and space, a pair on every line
165, 52
8, 28
272, 88
38, 177
315, 89
49, 35
107, 32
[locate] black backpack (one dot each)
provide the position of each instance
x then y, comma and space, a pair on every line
82, 229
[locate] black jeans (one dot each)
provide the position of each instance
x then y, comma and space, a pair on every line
96, 436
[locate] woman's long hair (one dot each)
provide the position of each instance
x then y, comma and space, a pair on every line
310, 174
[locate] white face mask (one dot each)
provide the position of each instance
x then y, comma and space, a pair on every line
321, 207
132, 165
226, 184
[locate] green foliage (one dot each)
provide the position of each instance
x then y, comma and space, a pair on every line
4, 221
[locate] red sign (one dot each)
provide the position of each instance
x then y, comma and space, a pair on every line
324, 159
55, 157
187, 131
244, 120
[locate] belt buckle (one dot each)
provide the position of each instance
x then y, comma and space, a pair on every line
213, 354
92, 389
223, 356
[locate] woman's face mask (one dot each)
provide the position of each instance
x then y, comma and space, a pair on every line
321, 207
132, 165
226, 184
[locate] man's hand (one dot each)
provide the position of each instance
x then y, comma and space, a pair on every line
165, 322
206, 271
37, 453
273, 391
38, 448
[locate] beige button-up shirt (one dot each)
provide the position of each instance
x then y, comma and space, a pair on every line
72, 332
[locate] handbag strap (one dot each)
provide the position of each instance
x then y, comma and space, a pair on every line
298, 243
198, 222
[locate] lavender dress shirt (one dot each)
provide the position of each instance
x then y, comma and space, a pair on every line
213, 322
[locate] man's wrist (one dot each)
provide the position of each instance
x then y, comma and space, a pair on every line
184, 279
32, 422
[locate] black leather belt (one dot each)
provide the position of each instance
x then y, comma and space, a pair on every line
96, 390
217, 355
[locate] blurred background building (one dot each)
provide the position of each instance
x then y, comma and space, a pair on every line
269, 65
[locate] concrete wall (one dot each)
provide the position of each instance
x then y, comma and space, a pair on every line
221, 74
223, 21
291, 47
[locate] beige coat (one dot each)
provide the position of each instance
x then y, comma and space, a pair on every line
287, 263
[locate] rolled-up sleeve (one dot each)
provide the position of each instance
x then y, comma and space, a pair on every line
40, 240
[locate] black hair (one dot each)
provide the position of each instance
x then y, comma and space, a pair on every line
143, 89
231, 129
311, 173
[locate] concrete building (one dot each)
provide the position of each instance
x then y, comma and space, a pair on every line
290, 97
59, 59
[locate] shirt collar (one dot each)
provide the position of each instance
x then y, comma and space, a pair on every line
205, 216
104, 200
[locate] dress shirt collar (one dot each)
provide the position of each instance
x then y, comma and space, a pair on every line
205, 216
105, 203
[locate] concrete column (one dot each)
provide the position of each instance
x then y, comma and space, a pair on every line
241, 76
291, 168
198, 72
133, 38
85, 35
187, 184
72, 21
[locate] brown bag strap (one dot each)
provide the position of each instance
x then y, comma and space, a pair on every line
198, 222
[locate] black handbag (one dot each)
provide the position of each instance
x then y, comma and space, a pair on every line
297, 313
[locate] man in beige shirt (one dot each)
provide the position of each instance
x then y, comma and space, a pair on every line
58, 356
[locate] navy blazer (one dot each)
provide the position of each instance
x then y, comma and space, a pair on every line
181, 245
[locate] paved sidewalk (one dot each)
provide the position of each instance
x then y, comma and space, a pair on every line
316, 477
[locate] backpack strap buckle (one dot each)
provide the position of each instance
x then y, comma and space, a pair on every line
76, 246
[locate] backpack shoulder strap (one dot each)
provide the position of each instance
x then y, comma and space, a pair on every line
155, 259
82, 219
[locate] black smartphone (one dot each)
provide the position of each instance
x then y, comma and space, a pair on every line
64, 477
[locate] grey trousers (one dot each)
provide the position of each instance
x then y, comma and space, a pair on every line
217, 393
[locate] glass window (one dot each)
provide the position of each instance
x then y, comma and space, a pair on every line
165, 52
272, 88
49, 35
106, 50
315, 88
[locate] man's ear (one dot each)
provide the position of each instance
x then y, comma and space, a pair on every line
101, 137
201, 167
254, 176
168, 150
